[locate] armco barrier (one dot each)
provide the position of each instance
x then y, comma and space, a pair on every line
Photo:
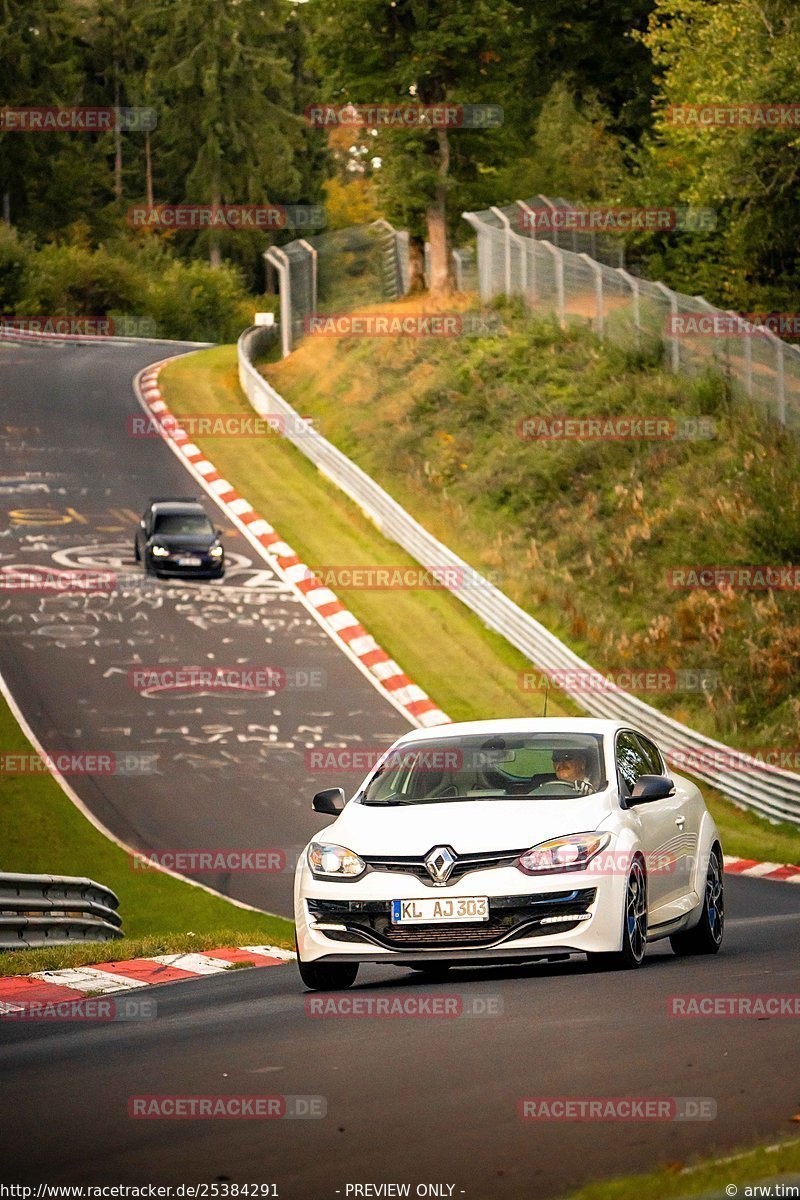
55, 910
773, 792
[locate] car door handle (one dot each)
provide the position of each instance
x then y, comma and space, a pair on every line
680, 822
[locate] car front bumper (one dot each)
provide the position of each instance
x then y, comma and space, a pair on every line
538, 916
170, 568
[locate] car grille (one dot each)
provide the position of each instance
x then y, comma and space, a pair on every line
463, 865
510, 917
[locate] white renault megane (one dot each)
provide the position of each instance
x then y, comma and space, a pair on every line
509, 840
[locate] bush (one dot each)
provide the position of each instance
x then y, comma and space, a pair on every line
14, 252
197, 302
72, 280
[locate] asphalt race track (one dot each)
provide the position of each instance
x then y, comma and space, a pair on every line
195, 771
417, 1100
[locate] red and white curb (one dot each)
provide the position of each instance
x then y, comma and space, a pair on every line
783, 872
27, 994
338, 621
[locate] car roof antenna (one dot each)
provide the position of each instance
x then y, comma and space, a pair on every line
546, 694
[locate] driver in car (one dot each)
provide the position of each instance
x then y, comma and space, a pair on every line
572, 766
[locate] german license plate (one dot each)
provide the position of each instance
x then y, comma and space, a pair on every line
433, 910
190, 562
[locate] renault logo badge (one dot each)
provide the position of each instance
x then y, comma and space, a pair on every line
439, 863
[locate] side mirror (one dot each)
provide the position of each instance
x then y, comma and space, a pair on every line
330, 802
218, 532
651, 787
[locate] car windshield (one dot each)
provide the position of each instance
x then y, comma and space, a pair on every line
536, 766
168, 523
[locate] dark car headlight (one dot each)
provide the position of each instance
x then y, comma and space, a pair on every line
159, 551
216, 552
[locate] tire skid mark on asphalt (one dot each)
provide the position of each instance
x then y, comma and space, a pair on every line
341, 625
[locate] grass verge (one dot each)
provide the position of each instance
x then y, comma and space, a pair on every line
42, 832
708, 1178
53, 958
466, 668
591, 534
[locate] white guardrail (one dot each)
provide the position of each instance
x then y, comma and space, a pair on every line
749, 782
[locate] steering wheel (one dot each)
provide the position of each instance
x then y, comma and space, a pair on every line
557, 788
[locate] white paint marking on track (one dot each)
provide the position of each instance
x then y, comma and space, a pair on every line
87, 979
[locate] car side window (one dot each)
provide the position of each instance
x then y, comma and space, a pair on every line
631, 762
652, 757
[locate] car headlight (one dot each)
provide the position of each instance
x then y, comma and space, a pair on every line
159, 551
216, 552
572, 853
334, 862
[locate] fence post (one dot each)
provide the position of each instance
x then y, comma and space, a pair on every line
526, 208
501, 216
780, 375
633, 284
558, 260
598, 292
312, 251
484, 275
553, 209
675, 350
740, 323
280, 261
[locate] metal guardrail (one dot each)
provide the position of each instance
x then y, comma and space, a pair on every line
55, 910
771, 791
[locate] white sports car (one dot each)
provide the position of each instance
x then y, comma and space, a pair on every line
509, 840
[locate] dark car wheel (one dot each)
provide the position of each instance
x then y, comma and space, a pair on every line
634, 926
136, 554
706, 936
327, 977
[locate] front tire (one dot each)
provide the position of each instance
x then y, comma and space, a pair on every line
706, 936
634, 927
327, 977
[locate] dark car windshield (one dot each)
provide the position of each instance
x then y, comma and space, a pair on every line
513, 766
183, 523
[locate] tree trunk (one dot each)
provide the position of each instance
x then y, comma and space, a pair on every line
117, 142
416, 266
436, 219
148, 170
214, 252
